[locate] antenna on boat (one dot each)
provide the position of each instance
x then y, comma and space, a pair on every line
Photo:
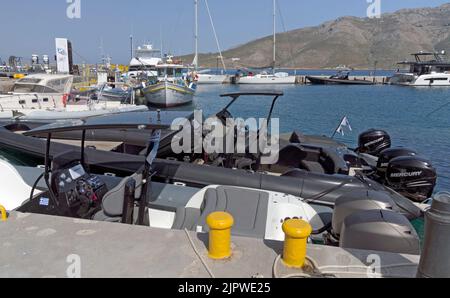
195, 62
102, 52
131, 46
161, 40
274, 34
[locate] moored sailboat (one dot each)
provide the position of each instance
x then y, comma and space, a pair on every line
205, 77
267, 78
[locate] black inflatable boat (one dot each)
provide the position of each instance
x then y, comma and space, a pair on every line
313, 187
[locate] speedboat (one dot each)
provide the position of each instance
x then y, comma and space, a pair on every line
341, 78
313, 158
122, 158
65, 186
171, 88
427, 72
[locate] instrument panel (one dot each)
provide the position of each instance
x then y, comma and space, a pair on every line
76, 187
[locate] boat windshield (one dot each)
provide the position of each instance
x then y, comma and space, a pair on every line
34, 86
31, 88
170, 72
426, 69
141, 67
146, 120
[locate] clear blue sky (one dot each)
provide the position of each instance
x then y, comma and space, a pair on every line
30, 26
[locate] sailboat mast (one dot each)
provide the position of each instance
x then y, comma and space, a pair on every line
274, 34
196, 35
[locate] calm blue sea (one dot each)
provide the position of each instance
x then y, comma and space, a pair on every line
402, 111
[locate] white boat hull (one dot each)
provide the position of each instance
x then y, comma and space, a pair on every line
36, 111
167, 94
427, 80
31, 101
267, 80
211, 79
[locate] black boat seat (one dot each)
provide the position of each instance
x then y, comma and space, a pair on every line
311, 166
248, 208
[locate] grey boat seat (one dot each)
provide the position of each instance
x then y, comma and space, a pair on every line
113, 201
165, 197
248, 208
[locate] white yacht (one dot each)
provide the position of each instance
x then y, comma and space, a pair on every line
38, 91
424, 71
48, 96
144, 61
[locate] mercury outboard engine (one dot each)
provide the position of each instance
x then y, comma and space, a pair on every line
389, 154
374, 141
413, 177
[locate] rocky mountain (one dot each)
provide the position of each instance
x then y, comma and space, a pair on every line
355, 42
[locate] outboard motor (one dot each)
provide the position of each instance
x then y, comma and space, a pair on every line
358, 201
413, 177
371, 221
380, 230
374, 141
389, 154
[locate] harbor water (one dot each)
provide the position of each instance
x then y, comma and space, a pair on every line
402, 111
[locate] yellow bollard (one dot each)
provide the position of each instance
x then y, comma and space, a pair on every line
4, 215
220, 224
18, 76
297, 233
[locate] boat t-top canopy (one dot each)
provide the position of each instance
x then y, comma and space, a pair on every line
236, 95
253, 93
134, 120
437, 61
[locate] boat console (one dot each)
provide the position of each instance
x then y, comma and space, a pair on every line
76, 188
73, 191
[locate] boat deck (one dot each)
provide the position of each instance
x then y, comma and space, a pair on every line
43, 246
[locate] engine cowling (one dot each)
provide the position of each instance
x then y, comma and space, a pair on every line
413, 177
374, 141
389, 154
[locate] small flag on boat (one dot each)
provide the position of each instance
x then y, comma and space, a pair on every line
344, 123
